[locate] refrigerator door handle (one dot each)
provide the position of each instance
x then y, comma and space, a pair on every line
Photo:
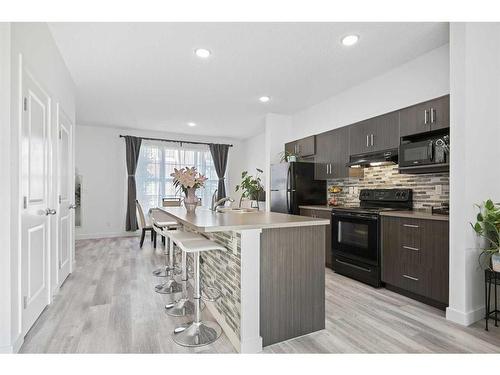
288, 189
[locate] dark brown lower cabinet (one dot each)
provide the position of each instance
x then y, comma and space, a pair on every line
415, 258
322, 214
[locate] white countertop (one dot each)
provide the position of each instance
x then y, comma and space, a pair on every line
204, 220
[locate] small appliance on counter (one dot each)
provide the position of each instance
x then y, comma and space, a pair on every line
292, 185
424, 153
444, 209
356, 233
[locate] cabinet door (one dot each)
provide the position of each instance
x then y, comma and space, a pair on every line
339, 139
384, 132
322, 158
306, 146
291, 147
440, 113
359, 140
414, 119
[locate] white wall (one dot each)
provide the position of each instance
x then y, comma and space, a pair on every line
39, 53
423, 78
247, 155
5, 178
475, 136
100, 159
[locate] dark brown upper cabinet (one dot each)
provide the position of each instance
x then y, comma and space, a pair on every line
375, 134
423, 117
304, 147
332, 154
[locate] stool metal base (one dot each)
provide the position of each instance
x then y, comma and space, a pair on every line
182, 307
160, 272
165, 271
198, 334
168, 287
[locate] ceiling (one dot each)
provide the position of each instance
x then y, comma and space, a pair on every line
146, 76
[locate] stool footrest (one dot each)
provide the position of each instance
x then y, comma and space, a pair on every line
210, 294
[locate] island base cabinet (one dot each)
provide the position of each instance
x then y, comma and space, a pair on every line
292, 282
415, 258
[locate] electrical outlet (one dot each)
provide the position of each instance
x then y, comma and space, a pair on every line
439, 189
355, 190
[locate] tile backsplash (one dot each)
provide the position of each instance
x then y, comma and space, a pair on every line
429, 190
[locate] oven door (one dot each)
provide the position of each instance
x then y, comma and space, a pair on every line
355, 236
417, 153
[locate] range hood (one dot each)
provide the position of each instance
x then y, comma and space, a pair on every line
373, 159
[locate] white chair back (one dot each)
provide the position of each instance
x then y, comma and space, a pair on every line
141, 220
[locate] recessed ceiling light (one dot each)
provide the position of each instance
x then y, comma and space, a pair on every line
192, 124
202, 52
350, 40
264, 99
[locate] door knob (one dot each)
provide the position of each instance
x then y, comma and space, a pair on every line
50, 211
72, 206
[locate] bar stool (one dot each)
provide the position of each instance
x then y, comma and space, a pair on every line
174, 237
198, 332
182, 306
162, 222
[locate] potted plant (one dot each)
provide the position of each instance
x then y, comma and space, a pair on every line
487, 226
251, 187
287, 156
188, 180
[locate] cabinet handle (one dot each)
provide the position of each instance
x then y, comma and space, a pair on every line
410, 277
410, 226
367, 141
425, 116
432, 115
372, 139
411, 248
331, 168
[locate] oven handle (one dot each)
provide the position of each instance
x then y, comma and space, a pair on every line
348, 216
353, 265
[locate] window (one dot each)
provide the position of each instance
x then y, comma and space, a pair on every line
157, 161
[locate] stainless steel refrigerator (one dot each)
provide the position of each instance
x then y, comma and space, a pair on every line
293, 185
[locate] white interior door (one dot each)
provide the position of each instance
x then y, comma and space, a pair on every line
35, 137
66, 196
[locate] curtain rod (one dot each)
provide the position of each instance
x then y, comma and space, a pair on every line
175, 141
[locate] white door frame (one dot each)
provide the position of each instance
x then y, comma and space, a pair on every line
62, 116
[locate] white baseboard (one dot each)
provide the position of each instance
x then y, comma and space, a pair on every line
465, 318
94, 236
14, 348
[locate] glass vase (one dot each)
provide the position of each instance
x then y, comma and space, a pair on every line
191, 200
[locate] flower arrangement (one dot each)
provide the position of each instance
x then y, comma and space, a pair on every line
188, 180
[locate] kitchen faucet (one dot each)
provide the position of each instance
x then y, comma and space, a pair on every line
219, 202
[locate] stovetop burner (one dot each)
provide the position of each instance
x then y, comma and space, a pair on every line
374, 201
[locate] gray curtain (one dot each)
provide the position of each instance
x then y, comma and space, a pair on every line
219, 155
133, 146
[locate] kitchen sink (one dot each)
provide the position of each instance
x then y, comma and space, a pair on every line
236, 210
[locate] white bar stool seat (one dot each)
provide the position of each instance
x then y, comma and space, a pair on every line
174, 237
198, 332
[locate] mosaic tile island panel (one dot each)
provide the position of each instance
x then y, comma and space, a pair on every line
429, 190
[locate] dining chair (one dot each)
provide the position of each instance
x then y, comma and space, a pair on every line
143, 224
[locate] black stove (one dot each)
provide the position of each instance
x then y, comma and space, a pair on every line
356, 232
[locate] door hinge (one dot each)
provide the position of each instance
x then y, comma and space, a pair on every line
25, 104
25, 302
25, 202
60, 199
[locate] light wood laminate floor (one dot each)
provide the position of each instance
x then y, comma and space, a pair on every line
108, 306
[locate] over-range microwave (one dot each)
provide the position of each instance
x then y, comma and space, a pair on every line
424, 152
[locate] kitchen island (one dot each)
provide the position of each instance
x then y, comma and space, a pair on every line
272, 276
